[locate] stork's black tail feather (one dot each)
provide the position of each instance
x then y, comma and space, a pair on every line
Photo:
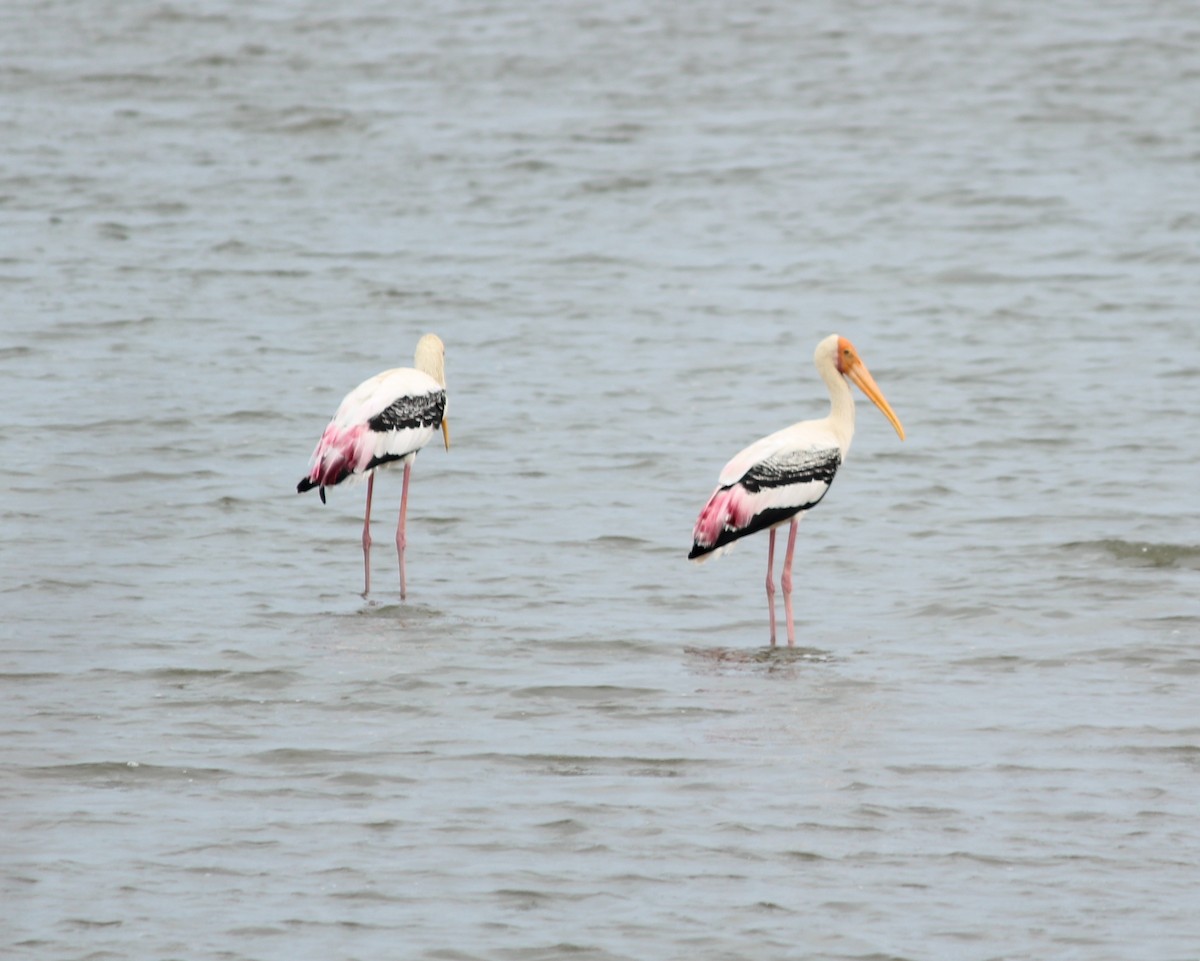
307, 485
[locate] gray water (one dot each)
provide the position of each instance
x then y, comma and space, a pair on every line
630, 224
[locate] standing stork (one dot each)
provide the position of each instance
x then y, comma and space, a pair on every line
776, 478
383, 420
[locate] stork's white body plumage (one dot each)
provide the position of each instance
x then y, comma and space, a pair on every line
776, 478
385, 420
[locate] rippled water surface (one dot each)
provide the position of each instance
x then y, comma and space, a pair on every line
630, 224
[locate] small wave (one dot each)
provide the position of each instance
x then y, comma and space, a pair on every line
769, 656
606, 185
1143, 553
115, 773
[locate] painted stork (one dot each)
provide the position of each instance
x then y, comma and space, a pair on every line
383, 420
778, 477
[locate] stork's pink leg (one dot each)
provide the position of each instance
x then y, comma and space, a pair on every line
366, 538
786, 580
401, 540
771, 582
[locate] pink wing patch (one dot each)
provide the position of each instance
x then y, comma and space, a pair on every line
340, 453
730, 508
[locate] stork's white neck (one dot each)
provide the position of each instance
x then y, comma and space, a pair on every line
841, 410
430, 357
841, 400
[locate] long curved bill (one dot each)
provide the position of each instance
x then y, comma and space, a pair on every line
446, 432
866, 383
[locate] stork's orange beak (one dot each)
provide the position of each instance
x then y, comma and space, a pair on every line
858, 373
